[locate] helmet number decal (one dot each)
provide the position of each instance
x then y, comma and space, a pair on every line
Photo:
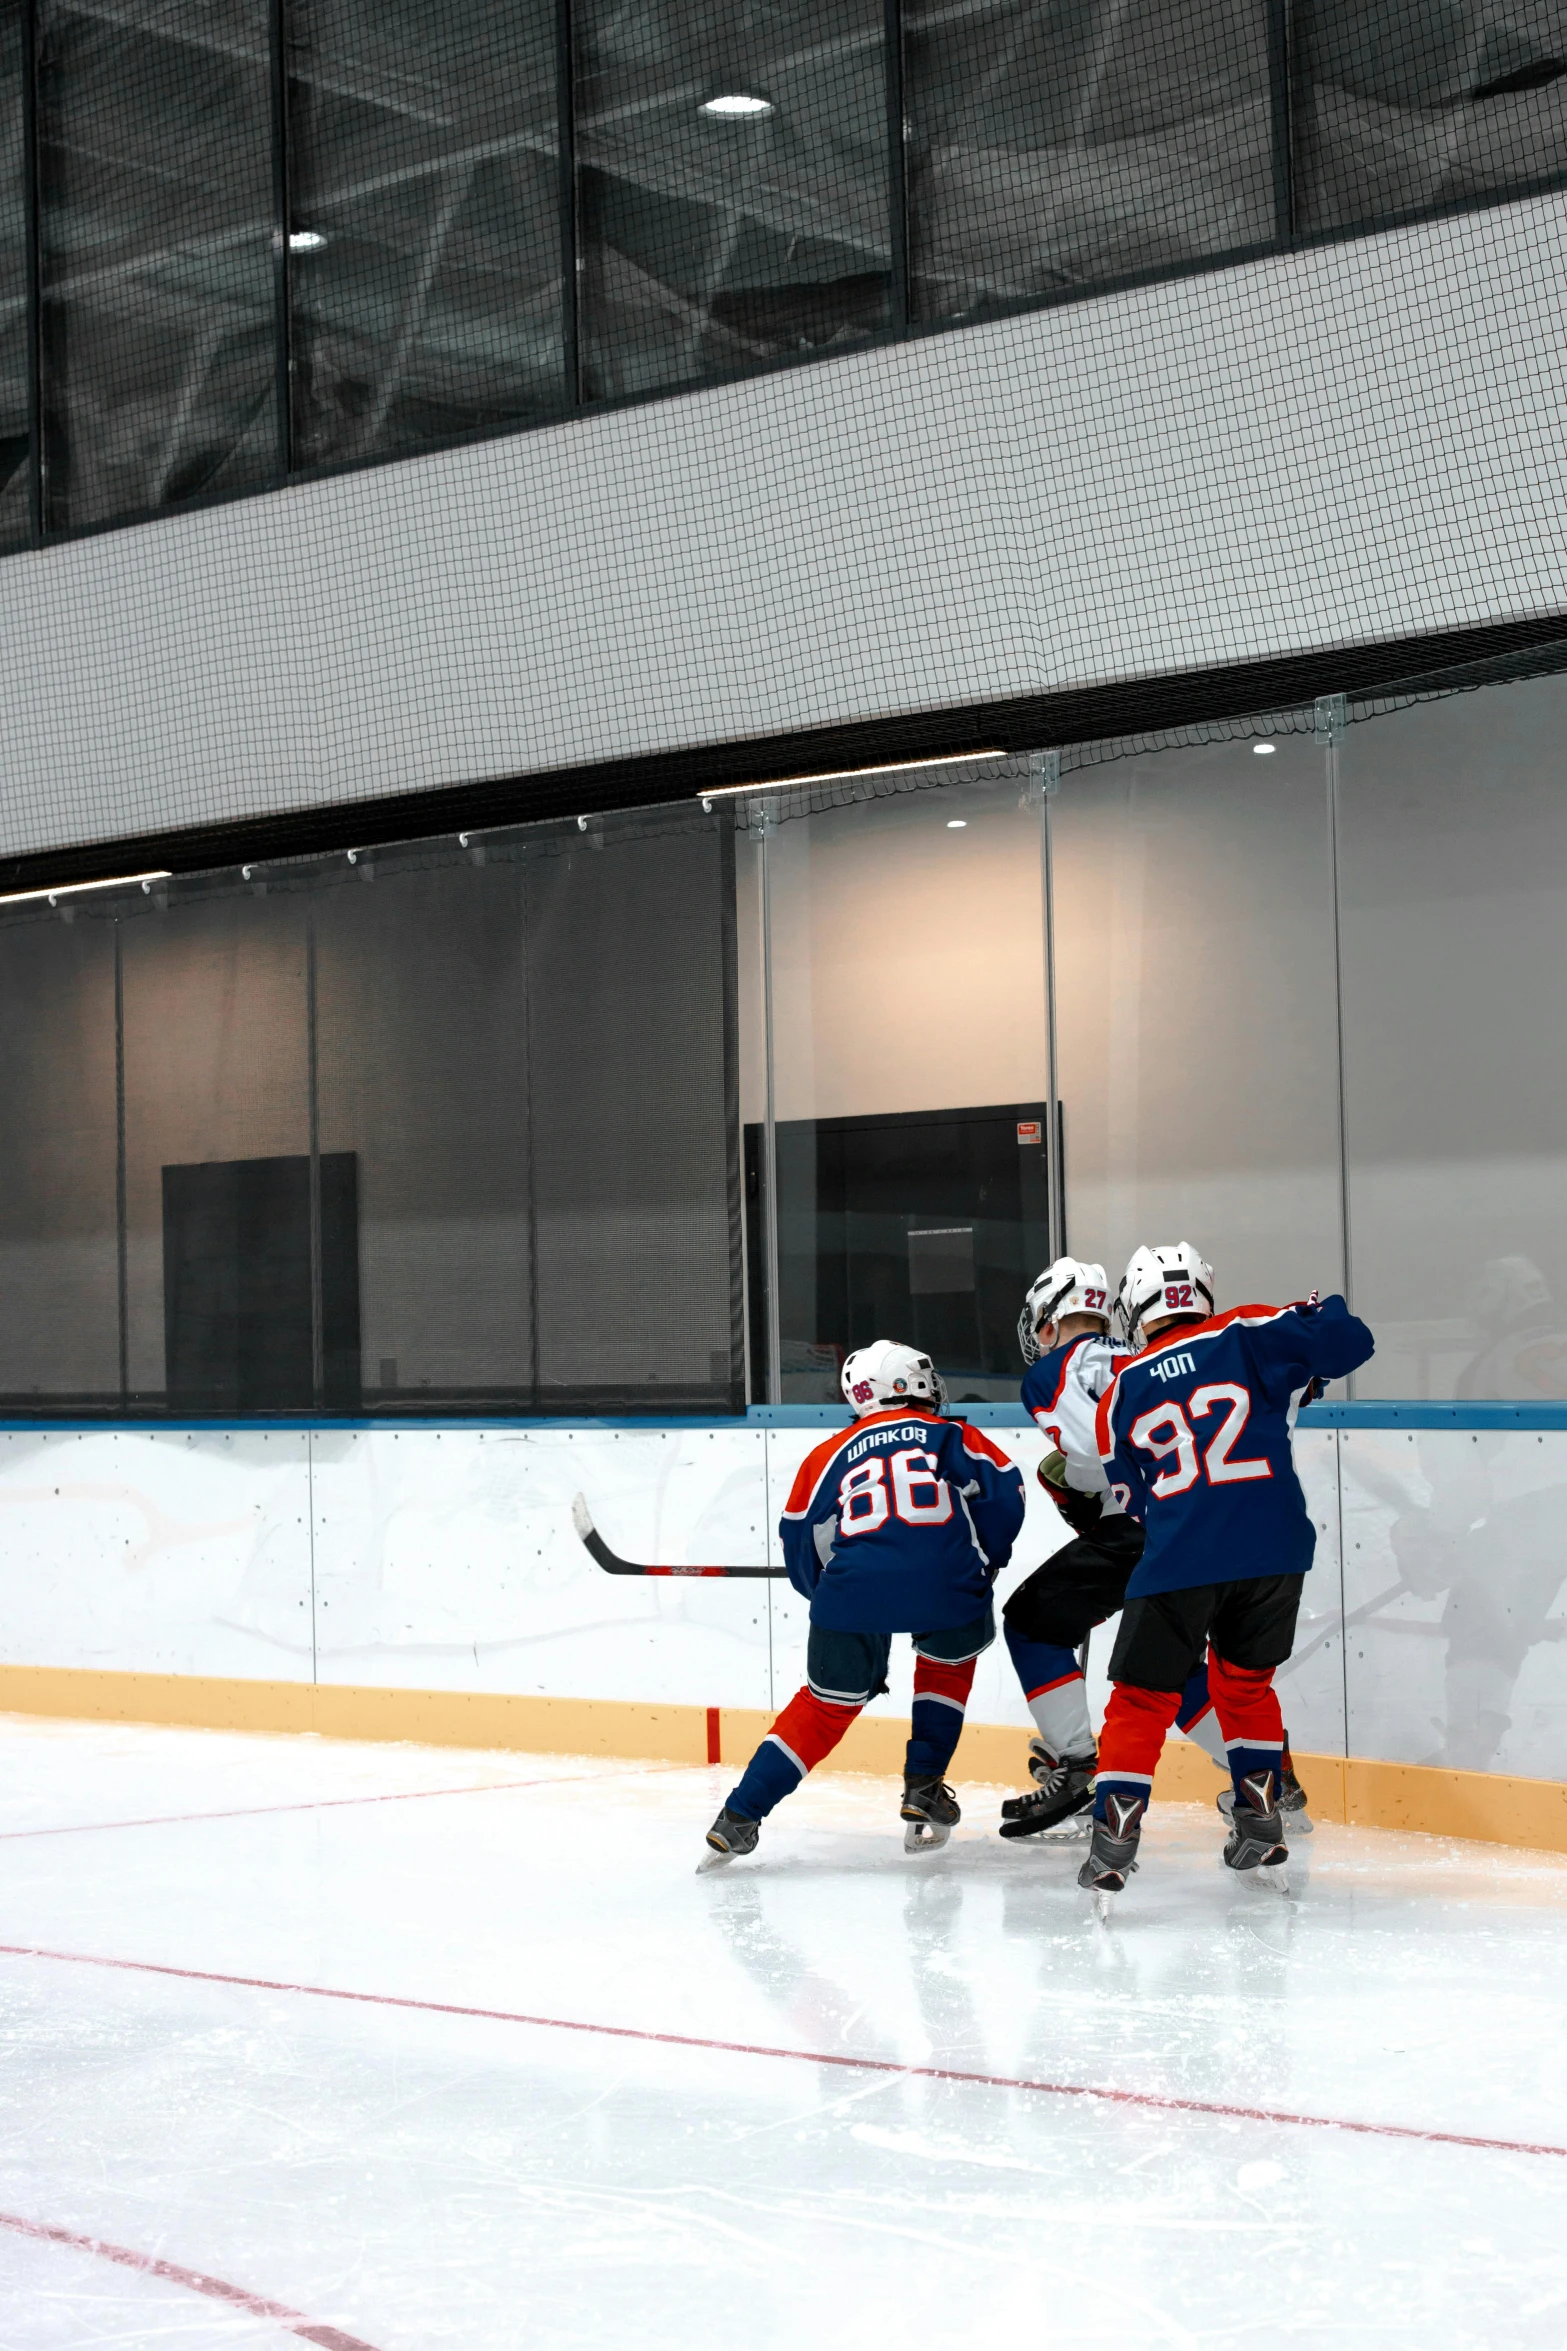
1094, 1301
1167, 1434
1177, 1294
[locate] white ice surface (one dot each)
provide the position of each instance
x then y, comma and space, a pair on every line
417, 2179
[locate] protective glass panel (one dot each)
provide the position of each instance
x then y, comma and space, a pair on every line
635, 1169
1454, 876
15, 517
908, 1014
217, 1159
157, 255
59, 1314
425, 222
1060, 145
1194, 965
1422, 102
732, 185
422, 1075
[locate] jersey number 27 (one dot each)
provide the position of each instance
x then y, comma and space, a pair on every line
1168, 1435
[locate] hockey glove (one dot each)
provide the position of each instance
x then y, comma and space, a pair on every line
1082, 1512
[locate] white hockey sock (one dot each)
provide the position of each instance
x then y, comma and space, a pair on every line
1061, 1714
1206, 1734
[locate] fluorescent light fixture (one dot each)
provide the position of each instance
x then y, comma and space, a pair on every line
737, 106
957, 824
305, 241
124, 881
1264, 750
849, 775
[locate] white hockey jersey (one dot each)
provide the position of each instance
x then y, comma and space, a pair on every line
1061, 1392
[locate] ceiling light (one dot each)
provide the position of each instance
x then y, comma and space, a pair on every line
957, 824
1264, 750
124, 881
737, 105
305, 241
848, 775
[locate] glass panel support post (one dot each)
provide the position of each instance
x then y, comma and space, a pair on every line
1330, 723
1044, 783
764, 824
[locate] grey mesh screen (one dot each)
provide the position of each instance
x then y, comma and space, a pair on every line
15, 358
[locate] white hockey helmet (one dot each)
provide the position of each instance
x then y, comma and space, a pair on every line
1068, 1287
886, 1373
1173, 1280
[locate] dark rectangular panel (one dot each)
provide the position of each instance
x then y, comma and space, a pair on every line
925, 1226
237, 1285
1062, 145
157, 254
1417, 103
732, 178
425, 222
15, 513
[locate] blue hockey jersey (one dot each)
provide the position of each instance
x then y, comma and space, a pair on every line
1195, 1431
901, 1524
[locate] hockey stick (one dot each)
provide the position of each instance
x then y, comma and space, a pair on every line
612, 1563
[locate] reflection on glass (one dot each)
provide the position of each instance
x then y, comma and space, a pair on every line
1060, 145
1454, 873
15, 518
425, 222
156, 228
732, 185
909, 1086
1195, 1013
1422, 102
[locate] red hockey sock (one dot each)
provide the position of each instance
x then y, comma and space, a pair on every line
933, 1679
1246, 1703
1135, 1724
809, 1727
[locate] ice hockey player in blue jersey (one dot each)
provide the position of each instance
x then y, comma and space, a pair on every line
1195, 1433
898, 1524
1063, 1332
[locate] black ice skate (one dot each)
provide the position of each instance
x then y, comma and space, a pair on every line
932, 1812
1063, 1790
1292, 1798
731, 1833
1255, 1843
1112, 1856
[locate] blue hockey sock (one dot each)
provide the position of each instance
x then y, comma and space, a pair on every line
771, 1774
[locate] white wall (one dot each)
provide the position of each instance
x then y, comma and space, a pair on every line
1334, 446
446, 1559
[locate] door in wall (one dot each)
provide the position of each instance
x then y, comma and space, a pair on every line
237, 1285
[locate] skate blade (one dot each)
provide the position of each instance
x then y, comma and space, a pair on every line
924, 1836
1102, 1905
713, 1860
1298, 1824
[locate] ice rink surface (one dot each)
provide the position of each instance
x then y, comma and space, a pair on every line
199, 2149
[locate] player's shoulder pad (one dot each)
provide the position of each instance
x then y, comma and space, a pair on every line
812, 1470
976, 1442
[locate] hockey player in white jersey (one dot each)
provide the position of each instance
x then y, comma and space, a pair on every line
1064, 1334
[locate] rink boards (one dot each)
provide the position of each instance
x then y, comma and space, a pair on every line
429, 1582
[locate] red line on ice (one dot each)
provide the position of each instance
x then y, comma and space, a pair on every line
166, 1820
1154, 2100
216, 2289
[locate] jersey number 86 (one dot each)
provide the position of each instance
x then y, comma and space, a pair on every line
919, 1497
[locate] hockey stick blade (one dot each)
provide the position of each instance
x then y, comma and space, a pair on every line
612, 1563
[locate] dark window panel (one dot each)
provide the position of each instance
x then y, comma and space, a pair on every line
15, 518
1060, 146
715, 241
1423, 102
157, 257
425, 222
